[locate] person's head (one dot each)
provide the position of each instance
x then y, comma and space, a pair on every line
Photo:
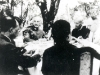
10, 26
6, 13
60, 31
9, 12
36, 22
78, 23
27, 33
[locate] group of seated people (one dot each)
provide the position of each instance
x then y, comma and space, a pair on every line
60, 59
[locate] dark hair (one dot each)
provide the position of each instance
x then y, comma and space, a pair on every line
28, 30
60, 29
9, 12
6, 24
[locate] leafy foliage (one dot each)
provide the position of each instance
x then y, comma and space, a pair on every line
90, 9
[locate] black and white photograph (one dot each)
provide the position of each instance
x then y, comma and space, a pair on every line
49, 37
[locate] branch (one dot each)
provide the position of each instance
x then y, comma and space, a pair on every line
43, 8
25, 14
53, 9
55, 0
87, 8
56, 7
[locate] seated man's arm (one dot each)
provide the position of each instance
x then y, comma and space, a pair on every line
24, 61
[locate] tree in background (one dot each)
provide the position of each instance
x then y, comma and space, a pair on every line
91, 9
48, 16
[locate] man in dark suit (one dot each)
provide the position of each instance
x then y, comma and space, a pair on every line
10, 55
63, 58
80, 31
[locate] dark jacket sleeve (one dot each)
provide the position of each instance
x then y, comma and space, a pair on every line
45, 63
76, 32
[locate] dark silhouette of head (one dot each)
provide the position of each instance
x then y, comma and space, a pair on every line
7, 24
60, 31
7, 20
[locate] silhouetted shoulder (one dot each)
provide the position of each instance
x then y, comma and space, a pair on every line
49, 50
55, 49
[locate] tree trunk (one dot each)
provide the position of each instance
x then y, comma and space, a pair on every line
48, 16
47, 25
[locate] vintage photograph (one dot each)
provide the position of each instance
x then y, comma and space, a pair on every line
49, 37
